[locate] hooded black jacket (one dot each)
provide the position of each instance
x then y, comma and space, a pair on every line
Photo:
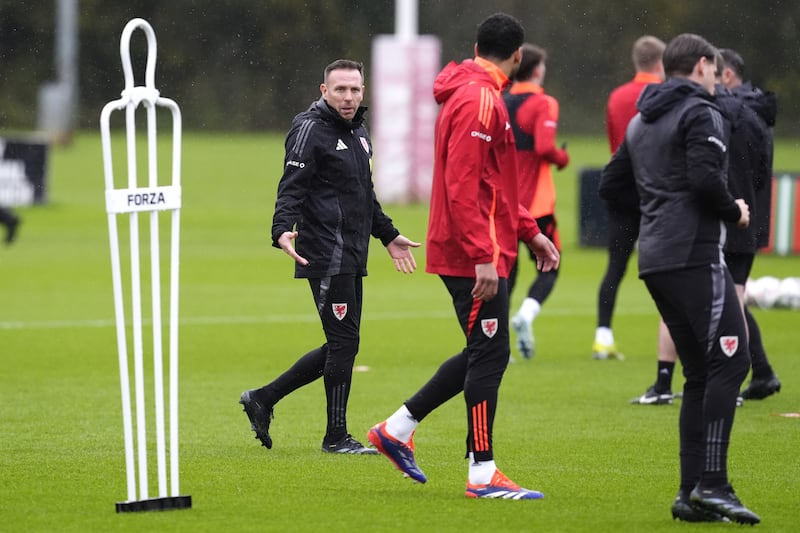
674, 153
749, 168
765, 104
326, 193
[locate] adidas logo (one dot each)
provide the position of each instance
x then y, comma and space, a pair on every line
340, 145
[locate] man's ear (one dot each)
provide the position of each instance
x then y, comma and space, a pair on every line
727, 75
700, 66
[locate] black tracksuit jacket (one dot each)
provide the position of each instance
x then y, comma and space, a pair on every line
674, 153
765, 104
749, 169
326, 193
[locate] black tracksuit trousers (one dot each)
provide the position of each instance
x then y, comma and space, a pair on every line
477, 370
700, 307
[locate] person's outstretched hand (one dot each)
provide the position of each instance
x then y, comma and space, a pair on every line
400, 250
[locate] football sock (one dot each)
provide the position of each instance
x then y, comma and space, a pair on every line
529, 309
761, 367
401, 424
480, 473
664, 377
604, 336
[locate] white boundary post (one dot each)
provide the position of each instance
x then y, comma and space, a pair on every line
133, 200
404, 67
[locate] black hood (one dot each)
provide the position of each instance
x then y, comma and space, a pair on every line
659, 98
764, 103
730, 104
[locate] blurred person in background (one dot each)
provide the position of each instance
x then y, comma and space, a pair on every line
623, 225
623, 220
750, 174
534, 120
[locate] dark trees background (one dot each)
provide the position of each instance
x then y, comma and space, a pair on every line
251, 65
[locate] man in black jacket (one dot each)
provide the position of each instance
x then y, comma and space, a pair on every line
674, 153
750, 171
327, 203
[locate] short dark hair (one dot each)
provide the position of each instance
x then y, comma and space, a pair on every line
343, 64
720, 64
532, 57
499, 36
684, 51
647, 52
732, 60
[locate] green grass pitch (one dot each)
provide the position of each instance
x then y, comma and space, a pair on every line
564, 424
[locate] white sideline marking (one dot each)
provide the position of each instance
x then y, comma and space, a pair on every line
209, 320
444, 314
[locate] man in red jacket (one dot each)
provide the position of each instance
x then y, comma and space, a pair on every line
647, 54
623, 223
475, 223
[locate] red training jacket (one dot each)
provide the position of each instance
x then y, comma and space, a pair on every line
475, 214
621, 107
538, 117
